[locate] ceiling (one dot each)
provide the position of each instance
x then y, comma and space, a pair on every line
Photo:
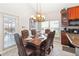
50, 10
52, 6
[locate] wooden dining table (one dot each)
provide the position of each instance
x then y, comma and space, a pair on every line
37, 41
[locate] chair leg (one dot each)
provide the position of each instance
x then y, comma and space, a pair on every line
42, 53
49, 50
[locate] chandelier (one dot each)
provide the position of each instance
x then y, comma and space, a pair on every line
38, 17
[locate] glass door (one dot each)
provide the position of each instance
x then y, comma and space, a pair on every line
9, 29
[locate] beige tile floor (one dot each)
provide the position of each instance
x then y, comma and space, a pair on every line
56, 51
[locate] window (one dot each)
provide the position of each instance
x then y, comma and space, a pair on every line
53, 25
44, 25
9, 29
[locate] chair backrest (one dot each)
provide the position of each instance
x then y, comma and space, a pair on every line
51, 36
24, 33
45, 44
20, 46
47, 31
33, 32
49, 39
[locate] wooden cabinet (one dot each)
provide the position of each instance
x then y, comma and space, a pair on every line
73, 13
69, 14
64, 18
77, 12
64, 39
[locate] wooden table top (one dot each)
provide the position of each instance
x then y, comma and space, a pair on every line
74, 39
36, 41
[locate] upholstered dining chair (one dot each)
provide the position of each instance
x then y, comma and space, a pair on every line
50, 37
46, 44
47, 31
23, 50
42, 48
33, 32
24, 33
20, 46
45, 48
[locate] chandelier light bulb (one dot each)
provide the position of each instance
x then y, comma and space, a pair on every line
33, 17
43, 16
38, 15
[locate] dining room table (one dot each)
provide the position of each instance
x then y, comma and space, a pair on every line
37, 41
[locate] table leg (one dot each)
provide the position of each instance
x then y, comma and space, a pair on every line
38, 51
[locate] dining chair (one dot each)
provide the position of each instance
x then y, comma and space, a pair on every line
45, 48
20, 46
32, 48
24, 33
47, 31
50, 37
23, 50
42, 48
33, 32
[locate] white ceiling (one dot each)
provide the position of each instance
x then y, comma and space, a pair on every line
50, 10
53, 6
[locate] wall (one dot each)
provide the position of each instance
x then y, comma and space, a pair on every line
1, 33
21, 11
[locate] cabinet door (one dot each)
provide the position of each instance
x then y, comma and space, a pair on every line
73, 13
77, 12
64, 39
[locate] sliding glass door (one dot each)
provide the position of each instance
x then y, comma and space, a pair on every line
9, 29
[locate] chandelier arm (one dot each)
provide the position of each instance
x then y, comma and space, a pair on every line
38, 16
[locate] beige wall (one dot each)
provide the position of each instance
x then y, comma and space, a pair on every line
1, 33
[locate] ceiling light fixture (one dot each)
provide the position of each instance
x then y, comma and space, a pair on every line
38, 17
